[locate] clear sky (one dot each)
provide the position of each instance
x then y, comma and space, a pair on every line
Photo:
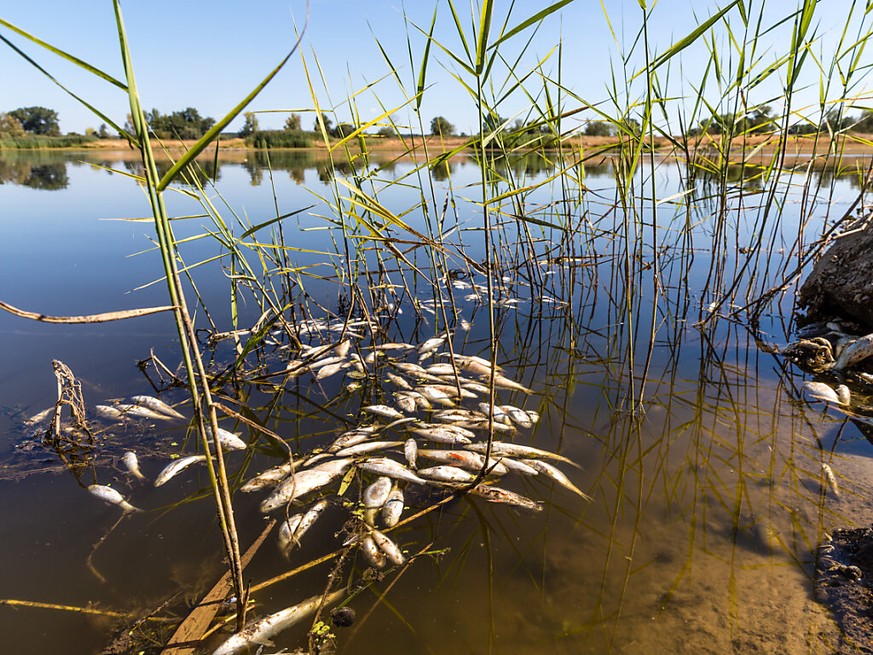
209, 54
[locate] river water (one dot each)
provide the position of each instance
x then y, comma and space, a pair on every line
708, 501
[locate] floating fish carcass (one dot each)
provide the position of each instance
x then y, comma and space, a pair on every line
269, 478
383, 410
112, 496
129, 459
558, 476
177, 466
157, 405
261, 631
498, 495
505, 448
390, 468
303, 482
293, 529
393, 508
386, 545
445, 473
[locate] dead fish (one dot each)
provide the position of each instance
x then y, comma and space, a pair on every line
327, 361
177, 466
518, 416
431, 344
375, 496
342, 348
138, 411
823, 392
409, 368
465, 325
518, 466
269, 478
497, 426
456, 415
261, 631
498, 495
366, 447
390, 468
130, 460
303, 482
443, 434
398, 381
436, 395
157, 405
376, 493
383, 410
43, 416
293, 529
404, 401
451, 390
410, 451
442, 368
112, 496
831, 479
465, 459
558, 476
475, 365
393, 508
857, 351
393, 346
392, 551
506, 383
330, 370
372, 553
229, 440
504, 448
352, 437
446, 474
498, 413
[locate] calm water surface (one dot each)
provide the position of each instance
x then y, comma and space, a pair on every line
707, 506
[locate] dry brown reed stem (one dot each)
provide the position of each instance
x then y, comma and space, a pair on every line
87, 318
12, 602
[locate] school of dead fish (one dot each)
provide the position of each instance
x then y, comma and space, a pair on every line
424, 434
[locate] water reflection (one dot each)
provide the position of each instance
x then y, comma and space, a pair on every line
708, 497
35, 172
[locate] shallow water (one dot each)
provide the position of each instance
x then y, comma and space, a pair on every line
707, 505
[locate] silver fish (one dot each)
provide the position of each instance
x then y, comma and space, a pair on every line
558, 476
431, 344
409, 368
177, 466
449, 434
446, 474
229, 440
351, 438
157, 405
366, 447
269, 478
405, 401
383, 410
436, 395
518, 466
390, 468
498, 495
465, 459
372, 553
857, 351
303, 482
40, 417
831, 479
393, 508
443, 368
342, 348
109, 413
138, 411
112, 496
410, 451
393, 346
376, 493
132, 463
498, 413
398, 381
330, 370
519, 416
506, 383
504, 448
475, 365
293, 529
327, 361
392, 551
261, 631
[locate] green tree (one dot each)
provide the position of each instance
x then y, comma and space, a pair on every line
292, 123
38, 120
440, 126
250, 126
599, 128
10, 127
103, 131
343, 130
184, 124
328, 123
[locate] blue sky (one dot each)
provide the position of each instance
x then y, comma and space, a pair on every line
209, 54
